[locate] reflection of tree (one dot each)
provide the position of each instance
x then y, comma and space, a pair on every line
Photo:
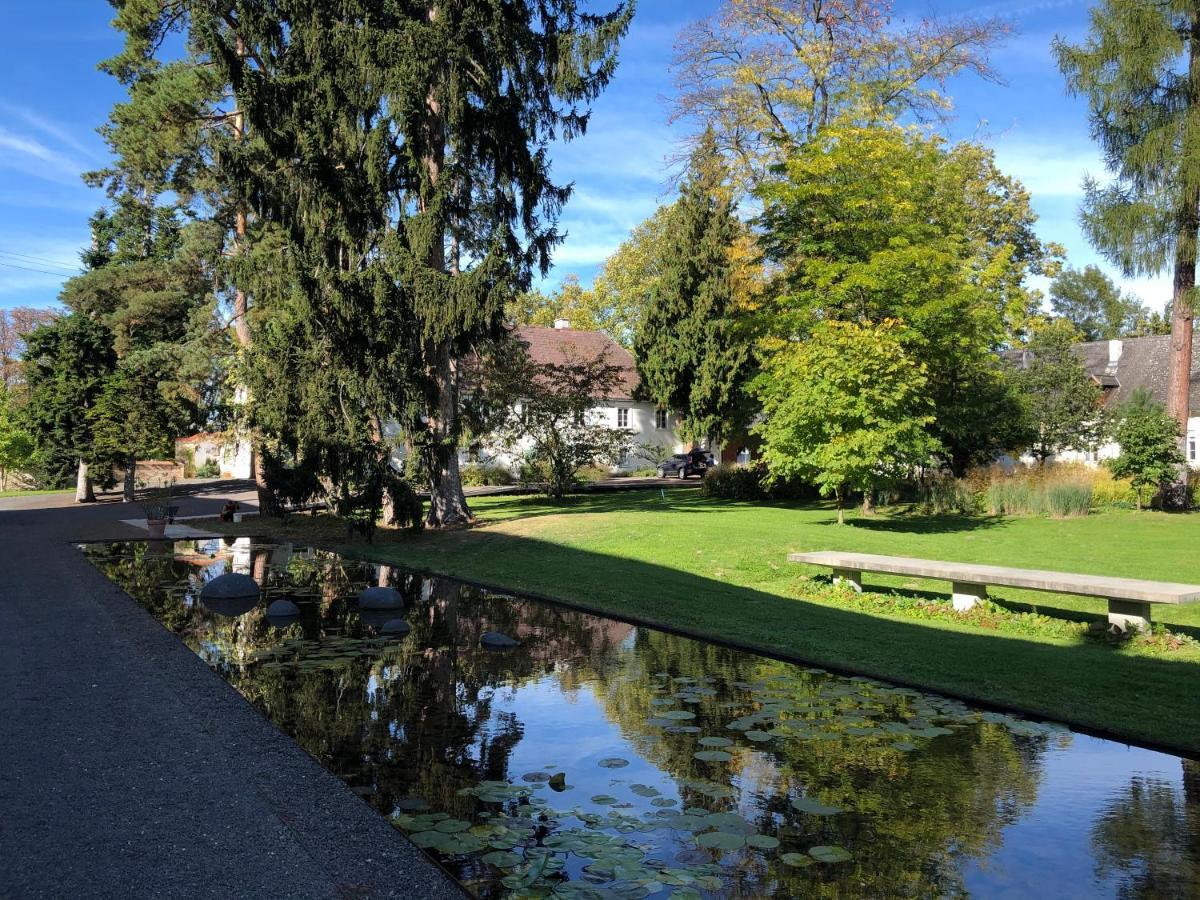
1149, 836
914, 817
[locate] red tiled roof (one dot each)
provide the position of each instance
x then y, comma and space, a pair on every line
555, 346
214, 436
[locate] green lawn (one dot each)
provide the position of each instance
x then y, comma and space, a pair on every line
719, 569
17, 493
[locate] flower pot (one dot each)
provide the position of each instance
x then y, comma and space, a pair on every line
156, 527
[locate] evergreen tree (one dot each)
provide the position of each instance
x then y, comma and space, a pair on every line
1139, 69
1062, 401
16, 443
692, 356
1149, 439
67, 363
400, 149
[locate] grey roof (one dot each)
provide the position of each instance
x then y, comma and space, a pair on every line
1144, 363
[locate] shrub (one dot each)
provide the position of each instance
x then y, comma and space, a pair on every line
210, 469
1110, 491
946, 495
726, 482
484, 475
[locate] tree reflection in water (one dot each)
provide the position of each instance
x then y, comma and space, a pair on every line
740, 776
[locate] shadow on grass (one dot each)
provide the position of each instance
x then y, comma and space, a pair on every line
906, 522
1086, 684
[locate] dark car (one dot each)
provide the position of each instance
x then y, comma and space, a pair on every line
682, 465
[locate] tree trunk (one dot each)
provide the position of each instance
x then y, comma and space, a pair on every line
447, 502
84, 493
840, 507
868, 506
129, 485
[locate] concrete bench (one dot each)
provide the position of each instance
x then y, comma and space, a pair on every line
1129, 599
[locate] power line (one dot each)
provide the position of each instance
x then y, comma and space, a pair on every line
37, 259
42, 271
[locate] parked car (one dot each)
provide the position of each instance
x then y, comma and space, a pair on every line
683, 465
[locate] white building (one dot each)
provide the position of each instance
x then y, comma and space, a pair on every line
1122, 367
653, 430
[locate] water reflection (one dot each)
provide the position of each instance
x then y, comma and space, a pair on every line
600, 759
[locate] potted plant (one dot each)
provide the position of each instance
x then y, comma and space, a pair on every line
156, 504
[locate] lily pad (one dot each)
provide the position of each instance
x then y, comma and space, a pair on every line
720, 840
613, 762
762, 841
680, 715
830, 854
502, 859
799, 860
814, 807
713, 755
759, 735
715, 742
604, 800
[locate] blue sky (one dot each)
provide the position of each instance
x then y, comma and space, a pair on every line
52, 98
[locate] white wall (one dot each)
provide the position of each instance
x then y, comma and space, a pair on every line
1112, 450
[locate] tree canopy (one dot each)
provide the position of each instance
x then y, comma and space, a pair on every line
1099, 310
1062, 401
1149, 440
848, 408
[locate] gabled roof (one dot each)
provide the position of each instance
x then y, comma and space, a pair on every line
557, 346
1144, 363
1141, 363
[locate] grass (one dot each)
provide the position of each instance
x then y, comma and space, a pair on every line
719, 569
28, 493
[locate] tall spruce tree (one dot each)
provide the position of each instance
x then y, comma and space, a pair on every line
400, 148
691, 355
1139, 70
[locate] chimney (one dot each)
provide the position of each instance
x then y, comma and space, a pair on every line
564, 324
1114, 356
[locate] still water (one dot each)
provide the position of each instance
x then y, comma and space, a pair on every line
603, 759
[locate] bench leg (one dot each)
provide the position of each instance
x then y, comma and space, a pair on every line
966, 595
1127, 614
849, 577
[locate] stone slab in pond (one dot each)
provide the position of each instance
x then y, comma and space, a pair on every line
283, 609
380, 598
494, 640
231, 584
397, 627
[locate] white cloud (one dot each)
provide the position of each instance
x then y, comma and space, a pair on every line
28, 155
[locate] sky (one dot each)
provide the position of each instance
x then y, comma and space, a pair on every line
53, 98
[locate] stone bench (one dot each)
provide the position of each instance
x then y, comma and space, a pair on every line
1129, 599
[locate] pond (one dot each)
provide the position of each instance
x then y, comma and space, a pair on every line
604, 759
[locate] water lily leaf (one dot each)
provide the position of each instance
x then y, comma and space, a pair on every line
720, 840
830, 854
759, 735
664, 801
904, 746
502, 859
613, 762
604, 800
814, 807
799, 860
762, 841
426, 839
536, 777
715, 741
452, 826
713, 755
681, 715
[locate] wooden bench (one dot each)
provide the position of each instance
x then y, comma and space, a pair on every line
1129, 599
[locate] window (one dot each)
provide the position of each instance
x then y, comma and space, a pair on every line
660, 418
579, 417
1191, 448
622, 417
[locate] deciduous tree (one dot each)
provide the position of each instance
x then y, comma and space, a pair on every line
1149, 439
768, 75
847, 408
1099, 310
1061, 400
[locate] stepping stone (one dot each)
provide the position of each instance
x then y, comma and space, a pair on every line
380, 598
396, 627
283, 609
494, 640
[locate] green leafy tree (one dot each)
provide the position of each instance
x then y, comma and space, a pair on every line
869, 224
767, 76
1149, 440
67, 363
692, 353
1088, 299
16, 443
848, 409
570, 302
1139, 70
1061, 400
